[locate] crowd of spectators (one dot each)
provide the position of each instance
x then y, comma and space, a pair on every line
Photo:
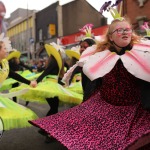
37, 65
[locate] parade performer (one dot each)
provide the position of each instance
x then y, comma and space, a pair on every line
117, 115
75, 81
17, 66
146, 27
13, 60
49, 90
15, 63
87, 44
49, 87
13, 115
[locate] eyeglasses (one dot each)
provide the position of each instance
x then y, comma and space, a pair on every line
121, 31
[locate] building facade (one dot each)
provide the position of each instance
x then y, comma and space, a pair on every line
75, 15
46, 27
78, 13
138, 12
21, 31
32, 30
29, 30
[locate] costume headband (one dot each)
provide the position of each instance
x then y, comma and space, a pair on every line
6, 41
146, 28
110, 8
87, 29
53, 50
58, 46
76, 49
13, 54
73, 52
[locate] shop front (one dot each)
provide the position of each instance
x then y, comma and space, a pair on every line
73, 39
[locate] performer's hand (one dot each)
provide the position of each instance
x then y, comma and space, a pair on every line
78, 78
33, 84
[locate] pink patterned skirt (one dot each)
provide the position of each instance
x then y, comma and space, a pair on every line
97, 125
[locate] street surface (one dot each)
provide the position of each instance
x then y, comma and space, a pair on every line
29, 138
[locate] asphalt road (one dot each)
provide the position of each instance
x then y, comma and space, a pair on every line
29, 138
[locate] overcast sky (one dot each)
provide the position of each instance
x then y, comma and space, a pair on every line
12, 5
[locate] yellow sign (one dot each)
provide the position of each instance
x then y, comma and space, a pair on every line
52, 29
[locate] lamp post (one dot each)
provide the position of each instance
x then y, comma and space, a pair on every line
27, 34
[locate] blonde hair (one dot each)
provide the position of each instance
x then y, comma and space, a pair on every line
107, 44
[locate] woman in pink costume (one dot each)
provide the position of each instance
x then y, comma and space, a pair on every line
116, 116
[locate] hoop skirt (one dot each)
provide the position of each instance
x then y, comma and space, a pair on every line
106, 120
49, 88
76, 87
14, 115
7, 84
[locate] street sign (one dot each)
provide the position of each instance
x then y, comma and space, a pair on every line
52, 29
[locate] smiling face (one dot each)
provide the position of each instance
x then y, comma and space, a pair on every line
83, 46
120, 33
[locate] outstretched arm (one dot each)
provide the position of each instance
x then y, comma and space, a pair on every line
52, 69
19, 78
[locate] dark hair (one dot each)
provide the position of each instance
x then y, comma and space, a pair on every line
90, 41
147, 37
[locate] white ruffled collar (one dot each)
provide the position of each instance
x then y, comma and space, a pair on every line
136, 61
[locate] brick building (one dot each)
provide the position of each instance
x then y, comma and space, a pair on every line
138, 12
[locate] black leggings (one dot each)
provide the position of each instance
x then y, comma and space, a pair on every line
53, 103
13, 86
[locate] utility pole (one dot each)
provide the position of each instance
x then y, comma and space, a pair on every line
27, 34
